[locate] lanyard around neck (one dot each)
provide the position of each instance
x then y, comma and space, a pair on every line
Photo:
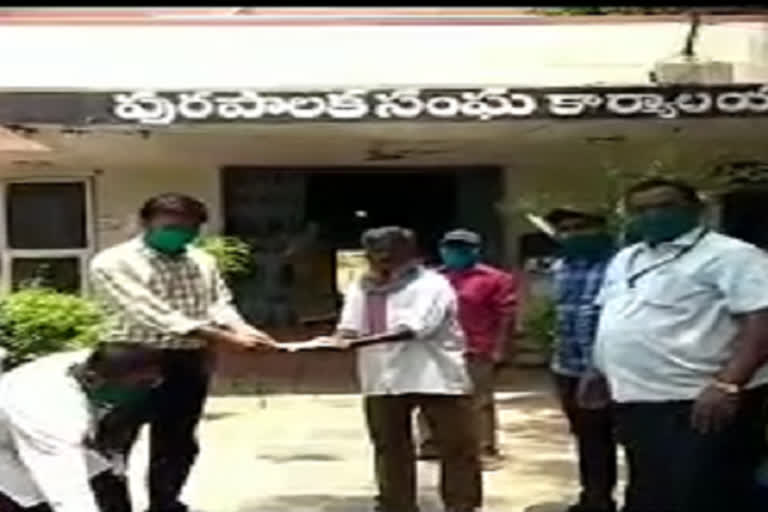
632, 279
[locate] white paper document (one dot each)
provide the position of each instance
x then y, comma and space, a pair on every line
313, 344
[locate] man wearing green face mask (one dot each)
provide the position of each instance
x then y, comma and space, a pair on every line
162, 292
586, 247
682, 348
487, 313
59, 449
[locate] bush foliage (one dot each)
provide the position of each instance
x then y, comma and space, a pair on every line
539, 323
38, 321
232, 255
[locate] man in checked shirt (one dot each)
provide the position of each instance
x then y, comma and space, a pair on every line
586, 250
159, 291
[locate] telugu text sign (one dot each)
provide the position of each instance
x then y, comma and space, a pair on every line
489, 104
148, 108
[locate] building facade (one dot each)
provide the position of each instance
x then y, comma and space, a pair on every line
299, 129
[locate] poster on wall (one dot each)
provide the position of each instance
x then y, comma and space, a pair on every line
351, 265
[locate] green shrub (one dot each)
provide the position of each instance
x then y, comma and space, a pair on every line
538, 322
38, 321
232, 255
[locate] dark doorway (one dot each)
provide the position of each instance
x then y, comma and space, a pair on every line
345, 204
745, 215
298, 221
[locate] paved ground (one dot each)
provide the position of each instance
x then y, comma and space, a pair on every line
308, 452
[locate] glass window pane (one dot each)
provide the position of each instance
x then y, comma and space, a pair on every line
46, 216
61, 274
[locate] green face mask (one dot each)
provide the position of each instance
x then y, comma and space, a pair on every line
170, 240
113, 395
459, 258
663, 225
590, 247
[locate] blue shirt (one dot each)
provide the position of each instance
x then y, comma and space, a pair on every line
577, 284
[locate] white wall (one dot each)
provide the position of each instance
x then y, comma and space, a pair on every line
120, 193
183, 57
554, 160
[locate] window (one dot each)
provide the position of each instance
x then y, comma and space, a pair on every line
47, 237
46, 216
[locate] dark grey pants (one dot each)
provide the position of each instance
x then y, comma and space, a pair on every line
595, 443
673, 468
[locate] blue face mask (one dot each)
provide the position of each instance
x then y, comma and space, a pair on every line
459, 258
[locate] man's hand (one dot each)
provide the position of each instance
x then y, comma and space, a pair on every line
335, 341
248, 339
254, 332
713, 410
251, 340
505, 349
593, 392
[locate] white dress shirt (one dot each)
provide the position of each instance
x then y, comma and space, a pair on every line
667, 335
45, 419
433, 362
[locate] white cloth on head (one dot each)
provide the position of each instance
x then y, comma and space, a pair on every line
45, 420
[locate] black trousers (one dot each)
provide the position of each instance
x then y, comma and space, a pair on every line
596, 446
390, 427
173, 413
673, 468
111, 496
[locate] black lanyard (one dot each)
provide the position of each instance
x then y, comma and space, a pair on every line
632, 279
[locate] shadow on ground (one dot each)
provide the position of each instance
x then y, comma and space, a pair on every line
300, 457
546, 507
215, 416
350, 503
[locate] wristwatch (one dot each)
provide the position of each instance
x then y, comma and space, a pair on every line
727, 387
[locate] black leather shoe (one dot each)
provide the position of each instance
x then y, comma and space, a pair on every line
177, 507
581, 507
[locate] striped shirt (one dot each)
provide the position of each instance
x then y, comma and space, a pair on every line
158, 300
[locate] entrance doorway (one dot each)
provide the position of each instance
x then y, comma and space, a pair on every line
745, 215
302, 222
345, 204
